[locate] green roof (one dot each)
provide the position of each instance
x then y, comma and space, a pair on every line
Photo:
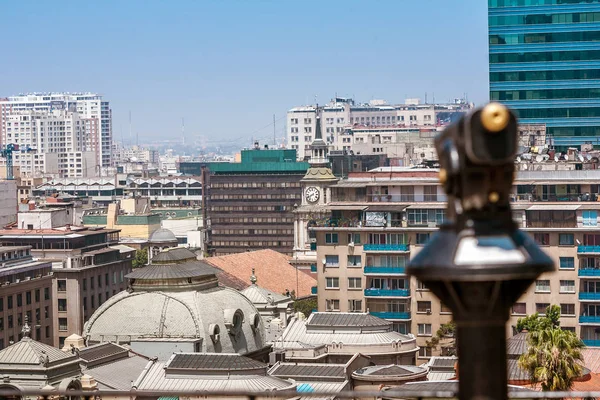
256, 161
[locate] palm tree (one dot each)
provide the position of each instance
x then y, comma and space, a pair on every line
553, 358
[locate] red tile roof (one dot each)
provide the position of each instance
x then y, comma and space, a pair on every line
272, 269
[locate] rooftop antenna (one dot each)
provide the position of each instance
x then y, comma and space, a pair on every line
183, 131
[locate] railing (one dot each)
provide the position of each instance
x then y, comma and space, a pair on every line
588, 249
591, 342
386, 247
586, 319
387, 292
589, 296
552, 224
588, 272
391, 315
384, 270
313, 290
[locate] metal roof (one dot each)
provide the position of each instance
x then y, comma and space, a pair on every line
517, 344
175, 254
213, 362
188, 269
102, 351
390, 370
334, 320
302, 371
119, 374
28, 351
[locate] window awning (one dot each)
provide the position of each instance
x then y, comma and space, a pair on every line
554, 207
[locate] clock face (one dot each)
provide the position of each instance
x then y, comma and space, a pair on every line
312, 194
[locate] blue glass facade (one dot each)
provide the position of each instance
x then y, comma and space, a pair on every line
545, 64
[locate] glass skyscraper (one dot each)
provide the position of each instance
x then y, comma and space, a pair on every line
545, 64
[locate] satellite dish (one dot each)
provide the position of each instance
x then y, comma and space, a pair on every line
588, 157
580, 157
566, 157
539, 159
556, 157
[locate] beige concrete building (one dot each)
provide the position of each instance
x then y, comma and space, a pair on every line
377, 220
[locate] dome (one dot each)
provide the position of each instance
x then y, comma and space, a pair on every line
162, 236
179, 301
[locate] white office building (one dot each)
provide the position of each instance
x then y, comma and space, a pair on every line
94, 112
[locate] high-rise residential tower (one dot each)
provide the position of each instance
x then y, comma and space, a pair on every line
545, 64
94, 112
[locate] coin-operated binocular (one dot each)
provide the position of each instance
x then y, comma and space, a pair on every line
480, 263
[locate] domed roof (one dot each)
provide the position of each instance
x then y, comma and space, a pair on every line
179, 300
162, 235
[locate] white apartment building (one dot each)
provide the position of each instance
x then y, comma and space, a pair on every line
57, 139
92, 109
342, 116
137, 154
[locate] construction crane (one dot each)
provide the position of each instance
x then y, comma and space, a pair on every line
7, 152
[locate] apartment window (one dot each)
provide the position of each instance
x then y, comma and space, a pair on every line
37, 296
92, 282
540, 308
46, 312
99, 281
84, 304
84, 284
11, 323
542, 285
566, 239
121, 277
114, 277
332, 304
19, 300
106, 280
567, 286
47, 331
355, 305
92, 301
567, 309
543, 239
354, 261
62, 304
1, 324
566, 263
421, 286
38, 315
62, 324
332, 260
445, 309
1, 303
422, 238
519, 308
62, 285
46, 293
331, 238
354, 238
332, 283
354, 283
424, 307
590, 218
424, 352
424, 329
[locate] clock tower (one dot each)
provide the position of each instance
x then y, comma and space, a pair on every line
316, 195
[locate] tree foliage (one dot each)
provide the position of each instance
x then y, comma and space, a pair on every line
553, 358
140, 259
306, 306
446, 333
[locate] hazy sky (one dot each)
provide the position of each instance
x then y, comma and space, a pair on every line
228, 66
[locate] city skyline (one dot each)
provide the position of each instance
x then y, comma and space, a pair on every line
163, 63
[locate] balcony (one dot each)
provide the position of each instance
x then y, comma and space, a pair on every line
384, 270
372, 292
591, 342
588, 249
589, 295
588, 272
404, 248
585, 319
391, 315
313, 290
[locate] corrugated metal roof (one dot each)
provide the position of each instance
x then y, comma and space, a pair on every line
188, 269
440, 376
119, 374
260, 295
517, 344
212, 361
322, 387
100, 351
156, 379
28, 351
334, 320
175, 254
301, 371
389, 370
